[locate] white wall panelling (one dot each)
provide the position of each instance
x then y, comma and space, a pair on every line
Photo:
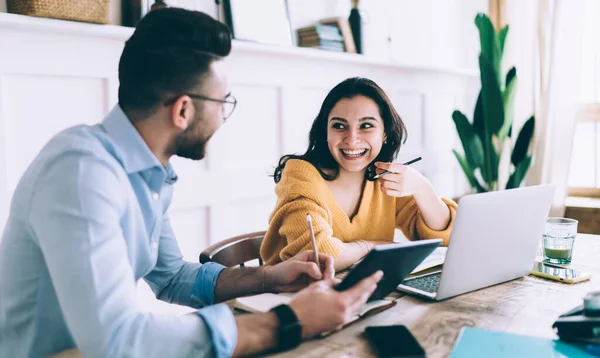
32, 98
241, 216
301, 106
410, 108
191, 228
5, 194
55, 74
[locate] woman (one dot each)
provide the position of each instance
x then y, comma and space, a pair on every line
356, 135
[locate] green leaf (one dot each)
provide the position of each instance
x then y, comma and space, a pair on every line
470, 141
493, 118
468, 172
523, 140
508, 98
515, 179
478, 119
511, 75
489, 171
493, 107
490, 45
502, 38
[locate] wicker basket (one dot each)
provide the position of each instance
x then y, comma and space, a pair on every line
97, 11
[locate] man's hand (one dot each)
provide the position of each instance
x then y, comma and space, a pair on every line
320, 308
298, 272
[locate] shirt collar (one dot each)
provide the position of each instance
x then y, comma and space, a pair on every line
133, 150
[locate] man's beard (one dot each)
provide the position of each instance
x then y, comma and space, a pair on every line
187, 145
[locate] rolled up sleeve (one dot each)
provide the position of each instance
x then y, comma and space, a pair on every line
176, 281
206, 281
223, 329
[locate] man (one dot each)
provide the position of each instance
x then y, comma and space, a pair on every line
89, 218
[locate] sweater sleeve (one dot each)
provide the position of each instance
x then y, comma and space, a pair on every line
410, 221
295, 229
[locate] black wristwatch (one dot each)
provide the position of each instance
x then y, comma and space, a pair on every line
290, 330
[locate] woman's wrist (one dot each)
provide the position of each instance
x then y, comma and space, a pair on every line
365, 246
425, 193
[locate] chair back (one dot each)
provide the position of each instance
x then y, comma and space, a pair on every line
235, 251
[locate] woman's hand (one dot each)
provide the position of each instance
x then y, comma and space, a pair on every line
401, 181
404, 181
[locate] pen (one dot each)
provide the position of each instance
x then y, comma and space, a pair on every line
312, 239
407, 163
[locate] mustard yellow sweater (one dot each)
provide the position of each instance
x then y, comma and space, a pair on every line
302, 190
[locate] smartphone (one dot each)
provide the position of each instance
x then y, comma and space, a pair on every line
558, 273
394, 341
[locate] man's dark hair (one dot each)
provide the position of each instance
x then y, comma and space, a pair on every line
167, 56
318, 153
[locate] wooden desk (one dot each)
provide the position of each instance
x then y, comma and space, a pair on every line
525, 306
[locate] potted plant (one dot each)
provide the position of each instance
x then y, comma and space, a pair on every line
490, 133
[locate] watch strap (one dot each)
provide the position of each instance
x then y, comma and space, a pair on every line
290, 329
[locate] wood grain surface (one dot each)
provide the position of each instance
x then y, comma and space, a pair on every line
528, 305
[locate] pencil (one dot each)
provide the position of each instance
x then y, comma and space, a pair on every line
407, 163
312, 239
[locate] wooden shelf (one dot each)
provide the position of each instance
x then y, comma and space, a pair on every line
122, 33
311, 53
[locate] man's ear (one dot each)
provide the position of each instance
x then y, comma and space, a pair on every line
182, 112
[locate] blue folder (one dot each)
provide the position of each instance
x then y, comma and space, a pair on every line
476, 343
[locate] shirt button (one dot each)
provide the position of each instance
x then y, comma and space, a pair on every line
155, 245
155, 196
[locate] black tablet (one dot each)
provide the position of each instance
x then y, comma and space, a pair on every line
395, 260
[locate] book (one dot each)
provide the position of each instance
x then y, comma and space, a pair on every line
309, 36
264, 302
435, 259
320, 29
323, 43
477, 342
344, 27
576, 326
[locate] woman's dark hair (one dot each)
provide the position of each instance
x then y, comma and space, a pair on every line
168, 55
318, 153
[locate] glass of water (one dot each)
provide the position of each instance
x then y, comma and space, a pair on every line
558, 239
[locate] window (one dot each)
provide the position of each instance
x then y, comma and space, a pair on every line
584, 173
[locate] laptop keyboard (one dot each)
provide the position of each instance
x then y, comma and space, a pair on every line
427, 283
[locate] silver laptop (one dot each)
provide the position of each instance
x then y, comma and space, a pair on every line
494, 239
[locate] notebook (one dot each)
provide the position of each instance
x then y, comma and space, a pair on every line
476, 342
435, 259
263, 302
266, 301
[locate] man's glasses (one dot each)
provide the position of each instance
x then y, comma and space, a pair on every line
228, 103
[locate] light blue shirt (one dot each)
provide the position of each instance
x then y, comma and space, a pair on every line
87, 220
